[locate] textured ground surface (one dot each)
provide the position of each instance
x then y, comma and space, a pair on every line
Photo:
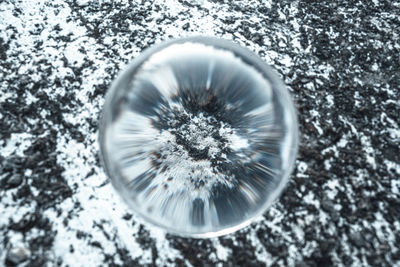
340, 61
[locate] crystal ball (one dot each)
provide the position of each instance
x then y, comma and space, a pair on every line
199, 136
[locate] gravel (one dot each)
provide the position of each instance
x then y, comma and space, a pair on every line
340, 61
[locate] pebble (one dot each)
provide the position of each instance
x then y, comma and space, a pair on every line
14, 181
357, 239
17, 255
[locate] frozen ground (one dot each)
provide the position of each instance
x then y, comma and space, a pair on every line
341, 63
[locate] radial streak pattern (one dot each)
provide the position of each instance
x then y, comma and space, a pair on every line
196, 138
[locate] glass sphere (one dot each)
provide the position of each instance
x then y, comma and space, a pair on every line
199, 136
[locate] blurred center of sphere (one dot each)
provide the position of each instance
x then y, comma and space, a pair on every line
198, 136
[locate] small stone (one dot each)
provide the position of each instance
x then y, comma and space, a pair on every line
17, 255
25, 224
23, 191
335, 216
96, 244
14, 181
328, 205
127, 216
186, 26
357, 239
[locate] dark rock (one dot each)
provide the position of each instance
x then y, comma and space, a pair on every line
24, 191
96, 244
186, 26
38, 261
127, 216
17, 255
14, 181
25, 224
327, 205
357, 239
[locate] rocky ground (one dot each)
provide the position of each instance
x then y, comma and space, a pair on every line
341, 63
